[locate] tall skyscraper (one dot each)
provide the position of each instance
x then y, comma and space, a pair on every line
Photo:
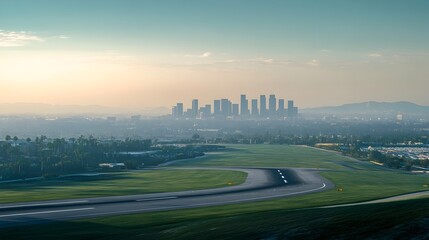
216, 107
290, 104
290, 109
235, 109
244, 105
281, 108
179, 109
272, 105
229, 107
208, 110
225, 107
194, 107
255, 111
205, 111
263, 105
174, 111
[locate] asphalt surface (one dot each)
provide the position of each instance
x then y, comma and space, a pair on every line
261, 184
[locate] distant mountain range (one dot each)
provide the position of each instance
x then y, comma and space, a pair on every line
40, 109
372, 108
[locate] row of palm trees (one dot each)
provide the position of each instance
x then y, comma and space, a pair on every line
44, 157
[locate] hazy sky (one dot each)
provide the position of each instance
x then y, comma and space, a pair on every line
155, 53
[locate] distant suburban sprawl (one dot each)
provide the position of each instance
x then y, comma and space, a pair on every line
225, 108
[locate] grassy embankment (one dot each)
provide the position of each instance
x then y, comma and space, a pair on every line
125, 183
396, 220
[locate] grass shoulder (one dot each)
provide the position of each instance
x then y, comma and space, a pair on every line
117, 184
388, 221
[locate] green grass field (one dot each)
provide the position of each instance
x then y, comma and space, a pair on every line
294, 217
279, 156
126, 183
360, 181
397, 220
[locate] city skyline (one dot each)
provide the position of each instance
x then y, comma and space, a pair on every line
150, 53
225, 108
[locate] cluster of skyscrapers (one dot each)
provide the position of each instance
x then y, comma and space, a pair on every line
224, 108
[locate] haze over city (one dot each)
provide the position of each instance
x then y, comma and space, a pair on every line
156, 53
214, 119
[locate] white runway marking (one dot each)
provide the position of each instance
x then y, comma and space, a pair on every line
42, 204
44, 212
152, 199
281, 175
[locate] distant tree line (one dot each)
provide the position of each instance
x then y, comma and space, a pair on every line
307, 139
26, 158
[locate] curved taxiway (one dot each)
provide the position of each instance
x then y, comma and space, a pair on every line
261, 184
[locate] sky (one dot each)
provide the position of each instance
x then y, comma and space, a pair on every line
143, 53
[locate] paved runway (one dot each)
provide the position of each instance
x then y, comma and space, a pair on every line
261, 184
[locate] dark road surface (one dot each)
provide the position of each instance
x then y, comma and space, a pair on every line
261, 184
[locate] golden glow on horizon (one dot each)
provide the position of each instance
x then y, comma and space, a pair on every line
112, 79
149, 53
